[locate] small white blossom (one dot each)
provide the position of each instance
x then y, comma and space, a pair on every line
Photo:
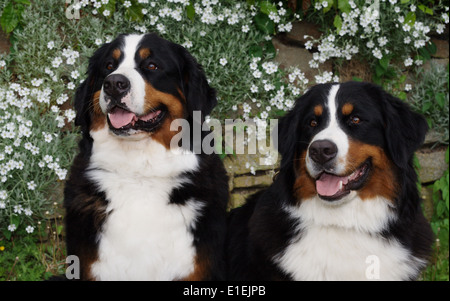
223, 61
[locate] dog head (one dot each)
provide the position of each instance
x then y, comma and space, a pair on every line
350, 138
137, 85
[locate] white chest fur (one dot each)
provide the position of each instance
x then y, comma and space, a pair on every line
144, 237
340, 242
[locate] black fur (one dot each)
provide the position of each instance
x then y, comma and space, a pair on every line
260, 229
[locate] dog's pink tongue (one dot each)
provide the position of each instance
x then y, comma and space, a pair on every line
119, 117
328, 185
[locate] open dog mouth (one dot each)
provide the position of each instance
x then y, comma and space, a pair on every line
121, 121
333, 187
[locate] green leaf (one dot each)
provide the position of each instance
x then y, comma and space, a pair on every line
424, 53
7, 234
443, 237
268, 7
384, 62
404, 1
338, 23
402, 95
9, 19
426, 106
425, 9
264, 24
440, 209
190, 11
410, 19
379, 71
440, 100
269, 49
330, 5
431, 47
255, 51
344, 6
110, 6
134, 12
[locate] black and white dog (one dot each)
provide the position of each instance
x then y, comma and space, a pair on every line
135, 208
345, 205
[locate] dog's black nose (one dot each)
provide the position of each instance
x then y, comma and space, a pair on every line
116, 85
322, 151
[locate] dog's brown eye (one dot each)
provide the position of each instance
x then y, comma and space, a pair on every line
355, 119
151, 66
313, 123
109, 66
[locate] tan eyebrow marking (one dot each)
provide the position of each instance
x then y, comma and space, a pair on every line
318, 110
116, 53
347, 109
144, 53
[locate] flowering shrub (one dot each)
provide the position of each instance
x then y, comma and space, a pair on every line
379, 31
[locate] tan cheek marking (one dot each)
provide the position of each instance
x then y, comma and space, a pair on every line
144, 53
318, 110
116, 54
175, 108
304, 186
381, 181
98, 118
347, 109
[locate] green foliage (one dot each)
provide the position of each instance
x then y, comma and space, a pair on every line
439, 267
12, 14
430, 97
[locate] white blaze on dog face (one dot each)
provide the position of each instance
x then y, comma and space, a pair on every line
333, 133
135, 99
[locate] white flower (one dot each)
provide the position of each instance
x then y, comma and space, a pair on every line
47, 137
187, 44
56, 62
98, 42
29, 229
377, 53
106, 13
2, 205
70, 115
254, 88
234, 107
257, 74
12, 227
2, 63
223, 61
408, 62
75, 74
50, 45
408, 87
31, 185
71, 86
245, 28
127, 4
36, 82
18, 209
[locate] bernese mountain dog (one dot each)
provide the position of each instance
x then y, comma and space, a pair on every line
137, 208
345, 203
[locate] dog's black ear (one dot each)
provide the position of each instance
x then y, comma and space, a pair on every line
404, 129
82, 104
199, 95
85, 91
289, 133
